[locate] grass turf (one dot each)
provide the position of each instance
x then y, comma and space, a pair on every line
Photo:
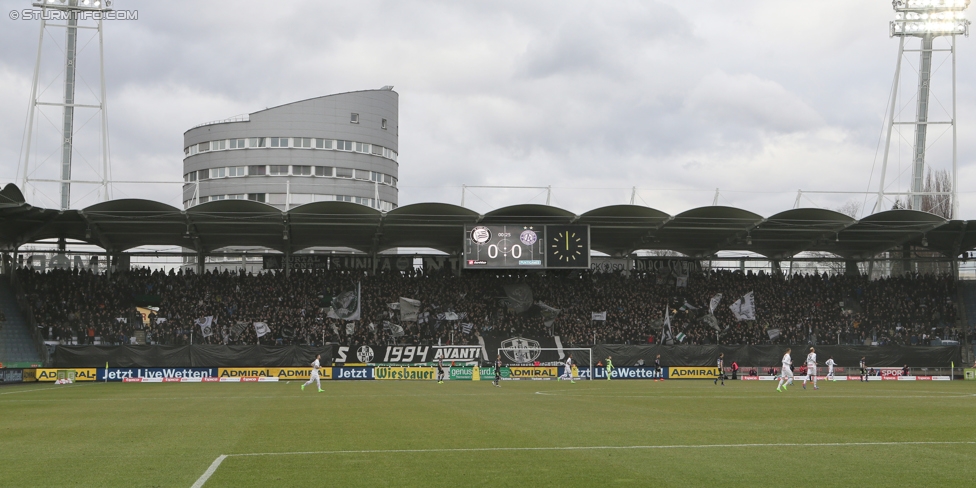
169, 434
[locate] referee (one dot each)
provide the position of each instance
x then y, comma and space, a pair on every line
721, 369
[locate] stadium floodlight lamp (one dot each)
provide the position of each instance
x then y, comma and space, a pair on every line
929, 18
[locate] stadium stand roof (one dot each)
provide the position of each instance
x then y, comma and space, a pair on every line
617, 230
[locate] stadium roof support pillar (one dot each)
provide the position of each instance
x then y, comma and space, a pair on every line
850, 268
201, 262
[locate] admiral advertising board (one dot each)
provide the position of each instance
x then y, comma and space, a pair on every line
692, 372
81, 374
533, 373
279, 373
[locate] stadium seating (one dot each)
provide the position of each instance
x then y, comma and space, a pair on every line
78, 306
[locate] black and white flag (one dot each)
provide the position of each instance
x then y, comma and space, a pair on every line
206, 325
713, 303
261, 329
744, 308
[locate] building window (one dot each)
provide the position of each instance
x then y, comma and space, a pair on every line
276, 198
343, 172
214, 198
323, 171
257, 142
237, 171
194, 149
279, 142
301, 170
383, 124
362, 175
377, 177
364, 201
377, 150
204, 146
302, 198
218, 172
344, 198
204, 199
203, 174
186, 151
237, 144
257, 197
354, 118
362, 147
237, 196
387, 179
344, 145
257, 170
303, 142
278, 170
191, 176
218, 145
323, 143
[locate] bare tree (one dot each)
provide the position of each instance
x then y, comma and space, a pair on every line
940, 205
850, 208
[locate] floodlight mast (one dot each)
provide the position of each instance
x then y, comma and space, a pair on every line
72, 11
926, 20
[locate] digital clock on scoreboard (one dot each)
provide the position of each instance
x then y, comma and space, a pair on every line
504, 246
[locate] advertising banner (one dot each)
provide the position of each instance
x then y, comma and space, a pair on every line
404, 373
30, 375
623, 373
301, 373
298, 373
11, 375
533, 373
351, 373
466, 373
122, 374
969, 373
407, 354
243, 372
81, 374
692, 372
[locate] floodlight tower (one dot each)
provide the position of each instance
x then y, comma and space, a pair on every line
70, 12
925, 20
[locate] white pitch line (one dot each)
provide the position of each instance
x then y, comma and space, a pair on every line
213, 466
59, 387
209, 472
744, 397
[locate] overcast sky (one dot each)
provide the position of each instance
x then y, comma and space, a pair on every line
758, 98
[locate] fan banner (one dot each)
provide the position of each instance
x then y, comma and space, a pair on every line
744, 308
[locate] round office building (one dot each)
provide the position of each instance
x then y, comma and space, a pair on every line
340, 147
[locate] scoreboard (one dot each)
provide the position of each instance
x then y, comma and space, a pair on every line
522, 246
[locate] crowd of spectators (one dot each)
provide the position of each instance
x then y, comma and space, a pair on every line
73, 305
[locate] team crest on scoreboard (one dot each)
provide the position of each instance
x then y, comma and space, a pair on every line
521, 350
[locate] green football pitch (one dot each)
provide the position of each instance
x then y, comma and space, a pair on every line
526, 433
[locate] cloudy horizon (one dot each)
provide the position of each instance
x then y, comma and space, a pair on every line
758, 99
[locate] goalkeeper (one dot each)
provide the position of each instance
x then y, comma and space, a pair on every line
609, 367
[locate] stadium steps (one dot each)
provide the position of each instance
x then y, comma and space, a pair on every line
16, 344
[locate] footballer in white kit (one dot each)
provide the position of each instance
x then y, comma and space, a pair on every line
786, 372
830, 368
568, 372
811, 369
314, 376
